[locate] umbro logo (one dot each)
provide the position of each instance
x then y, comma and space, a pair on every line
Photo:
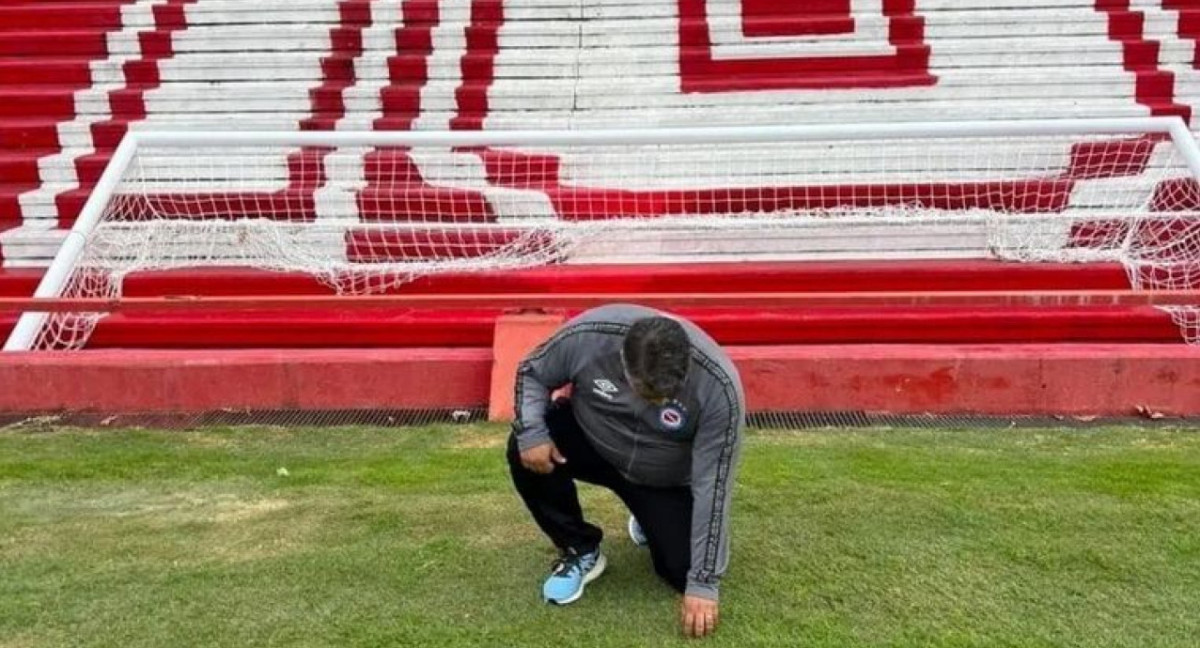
604, 388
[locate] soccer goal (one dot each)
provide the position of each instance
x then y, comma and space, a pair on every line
367, 212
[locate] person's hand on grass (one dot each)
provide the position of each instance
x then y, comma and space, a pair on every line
698, 616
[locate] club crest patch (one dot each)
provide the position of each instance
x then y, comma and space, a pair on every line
672, 416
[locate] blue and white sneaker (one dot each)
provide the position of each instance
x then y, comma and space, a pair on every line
570, 574
636, 534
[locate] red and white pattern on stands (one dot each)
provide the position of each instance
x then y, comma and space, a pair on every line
46, 71
818, 44
503, 64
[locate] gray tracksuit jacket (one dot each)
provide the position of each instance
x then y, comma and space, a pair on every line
693, 440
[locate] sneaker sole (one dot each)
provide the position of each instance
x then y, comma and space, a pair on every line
598, 569
632, 537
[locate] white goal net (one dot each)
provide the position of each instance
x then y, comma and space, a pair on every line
367, 212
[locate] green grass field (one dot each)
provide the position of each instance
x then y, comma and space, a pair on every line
384, 537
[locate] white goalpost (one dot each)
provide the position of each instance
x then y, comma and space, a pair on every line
367, 212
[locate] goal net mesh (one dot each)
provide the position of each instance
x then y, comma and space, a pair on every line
367, 220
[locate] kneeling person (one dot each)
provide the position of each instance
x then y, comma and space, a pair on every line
655, 414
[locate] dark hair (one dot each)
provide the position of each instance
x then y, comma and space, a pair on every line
657, 352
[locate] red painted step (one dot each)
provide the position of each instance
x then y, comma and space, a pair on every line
27, 71
786, 80
10, 208
21, 166
294, 330
53, 101
5, 225
54, 43
49, 16
90, 167
28, 133
18, 282
821, 17
808, 276
15, 283
942, 326
71, 203
107, 135
404, 328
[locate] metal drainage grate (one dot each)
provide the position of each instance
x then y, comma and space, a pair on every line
858, 419
409, 417
231, 418
807, 420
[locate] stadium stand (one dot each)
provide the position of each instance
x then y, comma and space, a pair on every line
76, 75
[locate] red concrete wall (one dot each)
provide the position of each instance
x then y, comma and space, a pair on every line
1023, 379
